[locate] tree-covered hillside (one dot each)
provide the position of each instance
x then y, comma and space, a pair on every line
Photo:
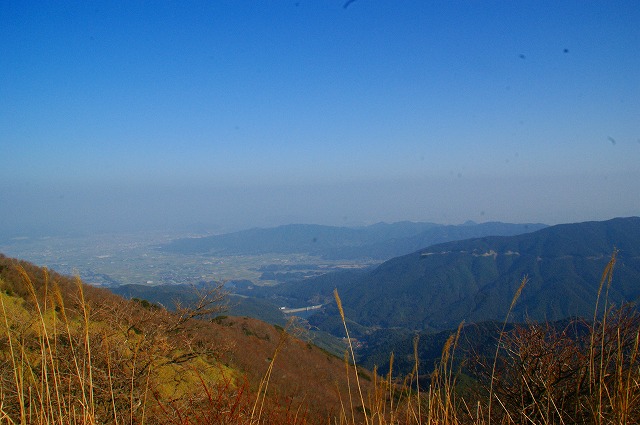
474, 280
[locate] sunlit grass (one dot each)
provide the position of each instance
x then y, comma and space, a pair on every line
65, 359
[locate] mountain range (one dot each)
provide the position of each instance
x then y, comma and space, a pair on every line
437, 287
428, 293
378, 241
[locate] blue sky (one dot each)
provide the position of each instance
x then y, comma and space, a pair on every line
233, 114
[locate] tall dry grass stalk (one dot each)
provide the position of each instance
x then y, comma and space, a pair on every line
353, 356
523, 282
258, 406
53, 367
390, 388
587, 372
614, 373
442, 390
17, 371
607, 277
88, 378
406, 404
39, 381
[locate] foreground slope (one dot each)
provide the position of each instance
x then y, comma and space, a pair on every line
474, 280
72, 353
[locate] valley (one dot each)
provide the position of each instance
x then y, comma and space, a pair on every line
275, 273
401, 312
134, 259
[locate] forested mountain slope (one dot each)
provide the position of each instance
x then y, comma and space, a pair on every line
475, 280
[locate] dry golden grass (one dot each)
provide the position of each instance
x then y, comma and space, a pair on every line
71, 354
75, 354
73, 359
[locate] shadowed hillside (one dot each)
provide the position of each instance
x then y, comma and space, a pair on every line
439, 286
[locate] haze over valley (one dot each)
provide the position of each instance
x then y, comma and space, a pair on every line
382, 270
200, 198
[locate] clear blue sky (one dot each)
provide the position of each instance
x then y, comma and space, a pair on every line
231, 114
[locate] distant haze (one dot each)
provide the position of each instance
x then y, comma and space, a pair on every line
227, 115
73, 209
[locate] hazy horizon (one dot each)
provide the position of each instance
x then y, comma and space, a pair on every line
125, 116
127, 210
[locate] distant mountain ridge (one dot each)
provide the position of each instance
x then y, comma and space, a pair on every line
377, 241
474, 280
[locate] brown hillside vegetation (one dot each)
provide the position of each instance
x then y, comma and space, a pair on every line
71, 353
74, 354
